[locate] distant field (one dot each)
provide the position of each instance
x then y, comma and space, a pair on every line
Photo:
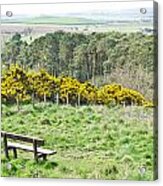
51, 20
92, 141
48, 24
9, 29
77, 22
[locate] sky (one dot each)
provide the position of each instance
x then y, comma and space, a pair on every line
55, 9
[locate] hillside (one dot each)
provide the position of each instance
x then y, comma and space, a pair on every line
91, 141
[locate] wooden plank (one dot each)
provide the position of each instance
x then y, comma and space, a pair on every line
20, 146
46, 151
30, 148
22, 138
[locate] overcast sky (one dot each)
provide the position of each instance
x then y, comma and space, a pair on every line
49, 9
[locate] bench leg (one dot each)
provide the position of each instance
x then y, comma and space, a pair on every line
35, 150
36, 157
6, 152
6, 147
44, 157
15, 152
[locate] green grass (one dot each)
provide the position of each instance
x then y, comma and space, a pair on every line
91, 141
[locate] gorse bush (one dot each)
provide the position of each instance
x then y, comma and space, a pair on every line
117, 94
19, 86
68, 89
41, 84
14, 85
101, 58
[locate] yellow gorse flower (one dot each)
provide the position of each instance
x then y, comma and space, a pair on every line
16, 83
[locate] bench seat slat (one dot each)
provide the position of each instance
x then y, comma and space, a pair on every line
30, 148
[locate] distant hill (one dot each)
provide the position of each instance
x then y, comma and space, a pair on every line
51, 20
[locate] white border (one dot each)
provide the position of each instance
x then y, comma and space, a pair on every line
74, 182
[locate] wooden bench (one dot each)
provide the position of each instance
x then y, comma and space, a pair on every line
35, 148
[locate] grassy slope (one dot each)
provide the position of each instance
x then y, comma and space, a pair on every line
92, 141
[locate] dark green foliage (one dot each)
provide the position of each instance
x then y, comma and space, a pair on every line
83, 56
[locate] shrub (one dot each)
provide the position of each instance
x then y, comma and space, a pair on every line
120, 95
21, 86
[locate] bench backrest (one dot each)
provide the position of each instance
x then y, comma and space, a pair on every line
22, 138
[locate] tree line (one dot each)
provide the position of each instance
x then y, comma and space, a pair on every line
83, 56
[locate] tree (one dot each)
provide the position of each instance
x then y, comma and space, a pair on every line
92, 50
81, 63
107, 66
11, 50
23, 57
93, 57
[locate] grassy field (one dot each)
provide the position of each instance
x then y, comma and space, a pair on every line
91, 141
51, 20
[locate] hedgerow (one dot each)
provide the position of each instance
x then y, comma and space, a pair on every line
19, 86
